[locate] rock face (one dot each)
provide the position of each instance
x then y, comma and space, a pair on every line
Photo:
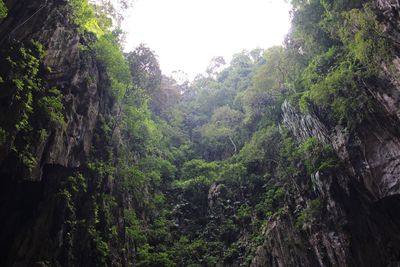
36, 231
358, 224
73, 71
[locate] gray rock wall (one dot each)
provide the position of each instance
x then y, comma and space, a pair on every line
359, 222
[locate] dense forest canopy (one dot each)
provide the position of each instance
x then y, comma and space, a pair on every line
169, 145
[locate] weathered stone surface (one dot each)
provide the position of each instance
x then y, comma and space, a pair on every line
389, 94
75, 72
375, 144
36, 232
356, 225
303, 126
349, 230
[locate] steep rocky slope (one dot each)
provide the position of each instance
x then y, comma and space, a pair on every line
35, 206
358, 221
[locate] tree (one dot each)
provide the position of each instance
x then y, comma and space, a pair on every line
145, 70
215, 66
270, 84
219, 135
113, 9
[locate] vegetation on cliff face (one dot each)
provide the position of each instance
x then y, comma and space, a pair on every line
29, 107
3, 10
200, 169
222, 133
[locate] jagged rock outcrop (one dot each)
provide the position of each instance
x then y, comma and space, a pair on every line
388, 93
371, 152
40, 229
358, 222
344, 232
74, 71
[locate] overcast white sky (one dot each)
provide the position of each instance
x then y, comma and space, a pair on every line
187, 34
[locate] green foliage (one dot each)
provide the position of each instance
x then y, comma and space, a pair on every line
101, 168
26, 157
101, 248
335, 77
76, 184
194, 168
320, 65
232, 172
161, 169
289, 158
186, 252
275, 76
145, 69
109, 53
159, 231
272, 203
219, 135
52, 106
317, 157
132, 227
363, 36
149, 258
83, 15
3, 10
132, 179
310, 157
306, 32
338, 90
244, 213
22, 71
197, 172
31, 106
140, 130
309, 214
260, 152
193, 183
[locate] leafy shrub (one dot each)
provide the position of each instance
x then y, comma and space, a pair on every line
83, 15
159, 167
244, 213
132, 227
196, 167
273, 202
197, 172
149, 258
232, 173
363, 36
317, 157
109, 53
3, 10
101, 248
309, 214
52, 105
260, 152
132, 179
198, 181
31, 105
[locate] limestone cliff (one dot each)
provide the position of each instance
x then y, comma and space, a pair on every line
38, 207
358, 221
